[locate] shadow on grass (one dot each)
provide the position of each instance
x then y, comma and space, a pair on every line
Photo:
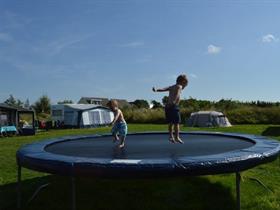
177, 193
272, 131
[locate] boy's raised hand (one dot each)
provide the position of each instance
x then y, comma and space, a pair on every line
154, 89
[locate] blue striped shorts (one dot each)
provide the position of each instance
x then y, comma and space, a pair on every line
120, 128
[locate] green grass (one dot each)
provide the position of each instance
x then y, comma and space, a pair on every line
190, 193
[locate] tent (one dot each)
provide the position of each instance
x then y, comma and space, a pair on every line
208, 119
15, 120
81, 115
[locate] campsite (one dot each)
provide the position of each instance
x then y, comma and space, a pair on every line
138, 115
139, 105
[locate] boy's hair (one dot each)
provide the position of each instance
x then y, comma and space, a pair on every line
113, 102
182, 78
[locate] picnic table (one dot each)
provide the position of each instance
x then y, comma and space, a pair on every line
8, 130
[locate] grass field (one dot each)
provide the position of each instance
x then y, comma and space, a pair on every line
190, 193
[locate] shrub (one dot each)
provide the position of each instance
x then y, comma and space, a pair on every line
144, 115
254, 115
244, 115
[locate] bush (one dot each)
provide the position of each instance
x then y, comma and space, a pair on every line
144, 115
254, 115
244, 115
43, 117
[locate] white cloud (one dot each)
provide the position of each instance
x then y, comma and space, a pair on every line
193, 75
212, 49
5, 37
269, 38
57, 46
132, 44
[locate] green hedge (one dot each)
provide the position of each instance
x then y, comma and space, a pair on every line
254, 116
245, 115
144, 115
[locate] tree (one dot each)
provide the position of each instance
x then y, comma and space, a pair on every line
165, 100
26, 104
43, 105
65, 102
156, 104
19, 103
11, 101
141, 103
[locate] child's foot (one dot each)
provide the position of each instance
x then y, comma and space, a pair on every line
179, 140
121, 146
171, 139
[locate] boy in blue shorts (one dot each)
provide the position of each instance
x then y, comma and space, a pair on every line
119, 129
172, 111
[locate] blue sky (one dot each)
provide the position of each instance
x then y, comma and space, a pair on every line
120, 49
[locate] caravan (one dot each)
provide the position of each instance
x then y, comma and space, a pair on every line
81, 115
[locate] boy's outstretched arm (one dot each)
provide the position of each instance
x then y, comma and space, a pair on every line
161, 89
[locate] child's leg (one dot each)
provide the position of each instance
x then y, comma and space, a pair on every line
122, 133
177, 135
122, 138
170, 129
115, 132
116, 137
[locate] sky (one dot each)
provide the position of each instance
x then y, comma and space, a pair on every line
67, 49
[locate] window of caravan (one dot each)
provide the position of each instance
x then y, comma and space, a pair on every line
57, 113
94, 117
105, 115
3, 119
203, 120
222, 120
68, 117
25, 120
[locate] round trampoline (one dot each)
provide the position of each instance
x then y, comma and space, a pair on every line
149, 154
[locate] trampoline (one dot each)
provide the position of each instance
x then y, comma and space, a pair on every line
148, 155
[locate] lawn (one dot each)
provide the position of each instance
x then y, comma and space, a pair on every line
190, 193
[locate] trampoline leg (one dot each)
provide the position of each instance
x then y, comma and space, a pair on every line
19, 187
73, 193
238, 178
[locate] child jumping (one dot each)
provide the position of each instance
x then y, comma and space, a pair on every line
172, 111
119, 129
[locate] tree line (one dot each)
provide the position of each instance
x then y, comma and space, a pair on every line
141, 110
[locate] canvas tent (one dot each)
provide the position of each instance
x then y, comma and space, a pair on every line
16, 120
81, 115
208, 119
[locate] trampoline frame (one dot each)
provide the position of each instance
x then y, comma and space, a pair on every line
264, 150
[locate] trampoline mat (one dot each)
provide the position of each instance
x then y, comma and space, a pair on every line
149, 146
